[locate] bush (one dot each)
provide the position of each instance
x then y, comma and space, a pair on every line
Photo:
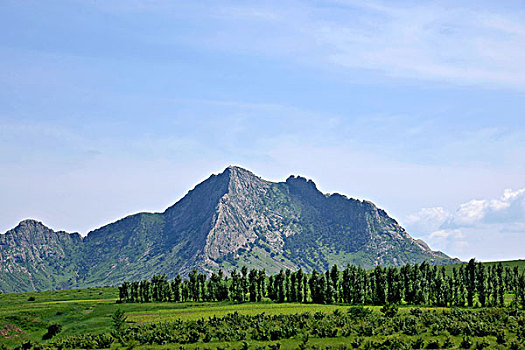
418, 343
52, 330
448, 343
119, 321
390, 310
409, 326
359, 312
356, 343
481, 344
514, 346
416, 312
31, 299
393, 344
275, 346
466, 343
500, 337
433, 344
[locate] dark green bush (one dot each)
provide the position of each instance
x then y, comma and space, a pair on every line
466, 343
390, 310
433, 344
418, 343
52, 330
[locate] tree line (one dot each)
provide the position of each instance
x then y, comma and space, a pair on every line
472, 284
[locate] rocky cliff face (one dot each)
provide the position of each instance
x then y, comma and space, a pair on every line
231, 219
34, 257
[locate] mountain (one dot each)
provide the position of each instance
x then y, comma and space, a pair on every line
231, 219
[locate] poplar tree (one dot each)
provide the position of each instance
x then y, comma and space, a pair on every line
299, 281
288, 287
261, 279
470, 271
481, 284
244, 282
252, 280
334, 279
501, 285
175, 288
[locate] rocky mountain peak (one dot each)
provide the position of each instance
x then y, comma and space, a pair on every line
28, 230
30, 223
304, 187
31, 232
231, 219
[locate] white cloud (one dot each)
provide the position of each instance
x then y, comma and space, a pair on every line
508, 209
446, 234
427, 219
486, 228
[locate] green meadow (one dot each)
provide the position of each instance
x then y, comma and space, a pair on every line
25, 318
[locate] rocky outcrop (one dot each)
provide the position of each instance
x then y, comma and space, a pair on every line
231, 219
34, 257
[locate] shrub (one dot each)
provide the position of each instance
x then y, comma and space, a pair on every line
359, 312
418, 343
481, 344
356, 343
390, 310
275, 346
31, 299
304, 343
514, 346
119, 320
433, 344
52, 330
409, 326
416, 312
466, 343
393, 344
500, 337
448, 343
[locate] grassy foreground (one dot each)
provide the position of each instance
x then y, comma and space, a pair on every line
25, 317
90, 310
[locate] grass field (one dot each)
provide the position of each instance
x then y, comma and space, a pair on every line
26, 316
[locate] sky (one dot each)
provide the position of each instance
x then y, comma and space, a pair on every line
108, 108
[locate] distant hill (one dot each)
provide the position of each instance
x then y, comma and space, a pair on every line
231, 219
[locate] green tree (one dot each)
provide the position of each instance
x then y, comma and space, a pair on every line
118, 322
481, 284
471, 281
334, 280
175, 288
252, 280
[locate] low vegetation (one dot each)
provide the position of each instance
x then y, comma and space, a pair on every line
270, 312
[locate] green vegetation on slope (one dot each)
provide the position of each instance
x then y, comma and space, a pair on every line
230, 220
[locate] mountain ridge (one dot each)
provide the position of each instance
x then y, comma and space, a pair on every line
231, 219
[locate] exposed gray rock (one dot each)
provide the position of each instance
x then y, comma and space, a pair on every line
231, 219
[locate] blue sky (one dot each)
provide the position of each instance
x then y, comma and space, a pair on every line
113, 107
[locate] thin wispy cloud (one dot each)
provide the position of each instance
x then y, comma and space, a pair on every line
445, 42
449, 43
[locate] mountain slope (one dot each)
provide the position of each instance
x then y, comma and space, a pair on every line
229, 220
34, 257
